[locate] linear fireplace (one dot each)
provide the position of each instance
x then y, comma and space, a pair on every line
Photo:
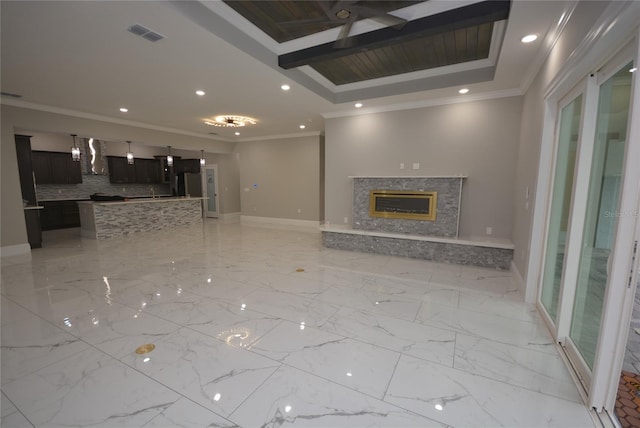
384, 222
409, 205
403, 201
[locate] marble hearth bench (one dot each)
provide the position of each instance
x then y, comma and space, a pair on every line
493, 253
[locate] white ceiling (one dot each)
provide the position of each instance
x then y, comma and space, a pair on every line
79, 56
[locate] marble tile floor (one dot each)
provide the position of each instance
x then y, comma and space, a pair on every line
243, 338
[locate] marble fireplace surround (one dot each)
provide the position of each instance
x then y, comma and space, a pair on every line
429, 240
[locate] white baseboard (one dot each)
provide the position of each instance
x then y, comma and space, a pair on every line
517, 277
286, 222
15, 250
230, 217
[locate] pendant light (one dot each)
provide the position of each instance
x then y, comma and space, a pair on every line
169, 157
75, 150
203, 162
129, 154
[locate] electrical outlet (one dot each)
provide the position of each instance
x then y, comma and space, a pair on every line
401, 165
299, 210
489, 230
346, 219
416, 165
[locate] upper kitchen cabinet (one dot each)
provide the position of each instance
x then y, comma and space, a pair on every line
41, 167
120, 171
187, 165
145, 171
55, 168
148, 171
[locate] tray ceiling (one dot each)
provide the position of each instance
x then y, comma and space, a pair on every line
466, 37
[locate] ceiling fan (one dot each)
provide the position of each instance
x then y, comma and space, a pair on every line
346, 13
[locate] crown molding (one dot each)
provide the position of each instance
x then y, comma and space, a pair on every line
92, 116
281, 136
550, 41
506, 93
611, 31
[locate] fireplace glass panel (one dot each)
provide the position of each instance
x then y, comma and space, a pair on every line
402, 204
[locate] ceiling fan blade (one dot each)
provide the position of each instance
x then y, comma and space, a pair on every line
343, 40
382, 17
391, 21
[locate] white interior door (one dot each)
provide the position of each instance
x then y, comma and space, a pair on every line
210, 187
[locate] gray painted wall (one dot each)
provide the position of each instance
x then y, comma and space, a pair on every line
478, 139
278, 177
582, 19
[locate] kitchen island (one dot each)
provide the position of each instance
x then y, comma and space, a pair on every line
104, 220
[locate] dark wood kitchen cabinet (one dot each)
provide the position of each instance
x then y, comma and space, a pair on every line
59, 214
187, 165
148, 171
120, 171
55, 168
143, 171
41, 167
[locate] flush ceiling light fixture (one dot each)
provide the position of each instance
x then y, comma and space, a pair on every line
75, 150
203, 162
200, 93
529, 38
463, 91
169, 157
357, 105
230, 121
285, 87
129, 154
124, 109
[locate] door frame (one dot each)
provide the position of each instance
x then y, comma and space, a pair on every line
617, 305
618, 301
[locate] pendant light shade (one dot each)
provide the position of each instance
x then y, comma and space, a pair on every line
203, 162
75, 150
129, 154
169, 157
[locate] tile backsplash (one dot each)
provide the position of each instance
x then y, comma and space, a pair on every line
97, 184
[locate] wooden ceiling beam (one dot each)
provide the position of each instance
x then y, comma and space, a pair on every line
475, 14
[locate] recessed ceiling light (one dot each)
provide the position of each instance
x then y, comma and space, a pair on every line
463, 91
358, 105
285, 87
237, 133
529, 38
124, 109
302, 126
200, 93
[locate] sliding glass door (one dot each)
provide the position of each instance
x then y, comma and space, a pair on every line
601, 214
568, 132
585, 197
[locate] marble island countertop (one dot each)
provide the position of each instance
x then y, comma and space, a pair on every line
145, 200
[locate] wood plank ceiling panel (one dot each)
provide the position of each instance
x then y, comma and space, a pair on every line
285, 20
451, 47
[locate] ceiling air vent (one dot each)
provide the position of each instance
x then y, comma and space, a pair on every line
145, 33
